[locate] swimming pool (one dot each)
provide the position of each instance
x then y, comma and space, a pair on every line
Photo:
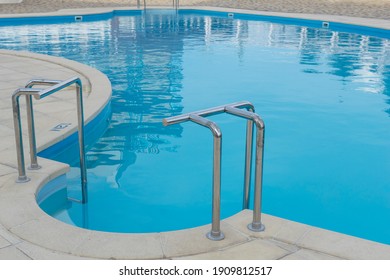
323, 93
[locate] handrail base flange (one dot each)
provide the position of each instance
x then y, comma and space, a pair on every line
215, 237
34, 167
256, 227
22, 179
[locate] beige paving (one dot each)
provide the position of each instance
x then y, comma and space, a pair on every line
26, 232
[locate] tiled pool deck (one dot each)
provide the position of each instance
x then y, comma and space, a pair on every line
26, 232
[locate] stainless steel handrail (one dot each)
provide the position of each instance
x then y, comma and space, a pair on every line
207, 112
215, 233
256, 224
249, 136
38, 94
139, 4
175, 4
30, 120
22, 177
234, 109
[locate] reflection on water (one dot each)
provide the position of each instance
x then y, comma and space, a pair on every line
306, 82
147, 76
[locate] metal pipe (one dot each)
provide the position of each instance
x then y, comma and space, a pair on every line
22, 177
30, 121
207, 112
80, 118
138, 4
256, 224
248, 160
42, 82
234, 109
39, 94
249, 137
248, 149
31, 132
57, 86
248, 164
176, 4
215, 233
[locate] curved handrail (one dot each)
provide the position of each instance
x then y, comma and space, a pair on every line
215, 233
38, 94
175, 4
245, 110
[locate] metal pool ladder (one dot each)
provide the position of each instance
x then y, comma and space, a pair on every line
175, 4
29, 91
244, 110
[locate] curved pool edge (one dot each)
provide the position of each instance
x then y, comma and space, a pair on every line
283, 239
96, 94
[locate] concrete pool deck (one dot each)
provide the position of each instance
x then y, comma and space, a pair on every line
26, 232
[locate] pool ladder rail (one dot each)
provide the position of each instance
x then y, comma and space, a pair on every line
244, 110
175, 4
28, 91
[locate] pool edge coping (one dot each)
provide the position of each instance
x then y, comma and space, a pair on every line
358, 21
37, 227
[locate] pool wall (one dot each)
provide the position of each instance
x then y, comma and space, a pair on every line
62, 150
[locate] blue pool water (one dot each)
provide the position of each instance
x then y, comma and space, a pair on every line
324, 95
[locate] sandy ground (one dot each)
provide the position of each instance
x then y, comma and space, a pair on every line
356, 8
